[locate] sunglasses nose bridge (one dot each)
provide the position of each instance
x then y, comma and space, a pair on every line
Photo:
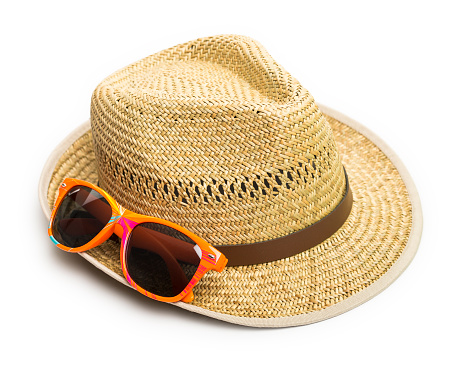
119, 228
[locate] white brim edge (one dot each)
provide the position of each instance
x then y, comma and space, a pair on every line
303, 319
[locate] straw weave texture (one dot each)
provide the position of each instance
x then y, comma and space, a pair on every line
217, 137
362, 251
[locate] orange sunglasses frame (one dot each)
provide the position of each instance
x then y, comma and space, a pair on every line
122, 222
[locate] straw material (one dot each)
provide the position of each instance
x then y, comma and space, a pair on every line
355, 257
216, 136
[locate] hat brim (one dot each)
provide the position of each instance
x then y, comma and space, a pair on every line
375, 245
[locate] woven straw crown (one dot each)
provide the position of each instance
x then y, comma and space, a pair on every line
216, 136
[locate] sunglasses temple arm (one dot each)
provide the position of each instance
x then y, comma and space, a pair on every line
77, 226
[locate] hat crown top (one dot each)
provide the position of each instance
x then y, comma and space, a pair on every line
216, 136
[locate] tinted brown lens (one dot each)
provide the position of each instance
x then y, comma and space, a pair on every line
161, 259
82, 214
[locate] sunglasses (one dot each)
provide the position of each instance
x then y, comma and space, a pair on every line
160, 259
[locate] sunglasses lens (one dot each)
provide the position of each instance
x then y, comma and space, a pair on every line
161, 259
82, 214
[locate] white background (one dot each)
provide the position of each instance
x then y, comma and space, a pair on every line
396, 68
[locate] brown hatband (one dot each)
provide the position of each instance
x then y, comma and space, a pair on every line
294, 243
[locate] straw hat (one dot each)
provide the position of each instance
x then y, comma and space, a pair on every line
216, 136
